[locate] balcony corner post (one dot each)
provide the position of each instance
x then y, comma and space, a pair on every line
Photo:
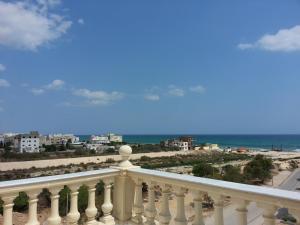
123, 194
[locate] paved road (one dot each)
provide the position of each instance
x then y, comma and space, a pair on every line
292, 183
254, 213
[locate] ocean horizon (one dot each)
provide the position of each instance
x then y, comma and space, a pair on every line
259, 142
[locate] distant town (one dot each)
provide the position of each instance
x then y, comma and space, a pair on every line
34, 142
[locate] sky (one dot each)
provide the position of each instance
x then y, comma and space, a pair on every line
150, 67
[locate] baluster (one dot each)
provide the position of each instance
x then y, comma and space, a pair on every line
54, 218
32, 202
268, 213
107, 205
242, 211
180, 218
198, 195
91, 210
165, 215
150, 208
73, 215
218, 208
8, 203
138, 207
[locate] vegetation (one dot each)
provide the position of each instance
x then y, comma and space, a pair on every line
141, 148
181, 160
204, 170
259, 169
256, 171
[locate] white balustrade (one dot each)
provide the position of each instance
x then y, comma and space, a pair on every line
8, 203
73, 216
241, 210
128, 205
107, 206
138, 207
91, 210
54, 218
268, 213
164, 212
218, 208
180, 218
32, 205
150, 208
197, 196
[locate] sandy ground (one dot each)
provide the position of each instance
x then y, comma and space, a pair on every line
4, 166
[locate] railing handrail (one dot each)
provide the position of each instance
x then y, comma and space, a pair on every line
236, 190
56, 180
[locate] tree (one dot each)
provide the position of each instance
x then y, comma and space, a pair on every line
233, 174
258, 169
203, 169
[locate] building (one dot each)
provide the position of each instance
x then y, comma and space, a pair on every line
1, 140
182, 145
27, 142
188, 139
62, 139
99, 148
94, 139
115, 137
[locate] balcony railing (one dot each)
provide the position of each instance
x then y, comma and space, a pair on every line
127, 206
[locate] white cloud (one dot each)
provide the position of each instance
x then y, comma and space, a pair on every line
198, 89
152, 97
55, 85
2, 67
98, 97
37, 91
27, 25
285, 40
80, 21
4, 83
175, 91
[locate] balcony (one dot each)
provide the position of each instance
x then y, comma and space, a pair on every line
124, 202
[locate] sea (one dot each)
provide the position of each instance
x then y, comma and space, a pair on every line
252, 142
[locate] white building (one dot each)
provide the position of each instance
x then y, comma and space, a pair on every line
99, 140
182, 145
59, 139
115, 137
27, 142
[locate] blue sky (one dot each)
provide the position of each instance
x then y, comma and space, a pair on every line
150, 67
